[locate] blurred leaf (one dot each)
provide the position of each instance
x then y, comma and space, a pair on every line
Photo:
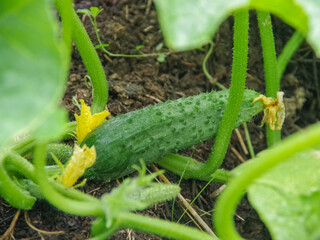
95, 11
159, 46
161, 58
139, 47
287, 198
189, 24
32, 66
84, 11
53, 126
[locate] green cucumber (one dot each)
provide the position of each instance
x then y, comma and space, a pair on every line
154, 131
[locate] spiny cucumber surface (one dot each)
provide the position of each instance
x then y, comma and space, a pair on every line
154, 131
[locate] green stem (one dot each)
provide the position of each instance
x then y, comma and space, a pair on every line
288, 51
91, 61
82, 208
270, 67
250, 147
93, 21
239, 68
11, 192
161, 227
65, 8
27, 144
204, 68
15, 162
206, 171
226, 205
186, 166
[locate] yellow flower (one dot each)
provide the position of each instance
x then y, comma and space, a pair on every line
86, 122
81, 159
274, 111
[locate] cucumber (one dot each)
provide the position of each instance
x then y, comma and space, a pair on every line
154, 131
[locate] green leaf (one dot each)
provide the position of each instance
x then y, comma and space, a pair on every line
161, 58
189, 24
32, 66
159, 46
84, 11
139, 47
56, 123
95, 11
287, 198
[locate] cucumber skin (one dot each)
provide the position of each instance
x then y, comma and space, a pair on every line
154, 131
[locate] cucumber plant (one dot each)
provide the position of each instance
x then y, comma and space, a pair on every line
152, 133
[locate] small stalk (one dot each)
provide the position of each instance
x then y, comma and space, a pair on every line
270, 67
227, 202
290, 48
93, 21
250, 147
204, 68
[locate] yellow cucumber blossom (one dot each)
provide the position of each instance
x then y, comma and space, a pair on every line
86, 122
274, 111
81, 159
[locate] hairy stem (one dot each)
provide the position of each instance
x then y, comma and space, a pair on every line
239, 68
10, 191
161, 227
186, 166
66, 204
91, 61
270, 67
226, 205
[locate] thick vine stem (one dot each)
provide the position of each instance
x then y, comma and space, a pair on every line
84, 207
206, 171
90, 59
239, 68
185, 167
227, 202
160, 227
10, 191
270, 66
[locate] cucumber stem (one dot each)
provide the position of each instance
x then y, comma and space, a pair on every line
239, 69
290, 48
90, 59
161, 227
10, 191
270, 67
186, 166
206, 171
83, 207
227, 202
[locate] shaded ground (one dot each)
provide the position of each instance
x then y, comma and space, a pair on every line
138, 82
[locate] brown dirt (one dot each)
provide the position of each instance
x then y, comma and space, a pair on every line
138, 82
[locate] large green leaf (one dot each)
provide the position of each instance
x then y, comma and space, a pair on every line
287, 198
189, 24
32, 66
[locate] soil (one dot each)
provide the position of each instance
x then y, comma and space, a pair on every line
137, 82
